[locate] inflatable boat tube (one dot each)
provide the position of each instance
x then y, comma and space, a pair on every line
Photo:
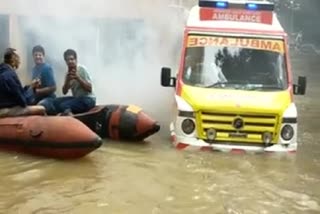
120, 122
49, 136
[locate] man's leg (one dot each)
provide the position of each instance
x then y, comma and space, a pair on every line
87, 103
35, 110
4, 112
58, 103
22, 111
48, 104
78, 105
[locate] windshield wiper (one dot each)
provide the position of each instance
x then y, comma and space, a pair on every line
265, 87
216, 84
219, 84
245, 86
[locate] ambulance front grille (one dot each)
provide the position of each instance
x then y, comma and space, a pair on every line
254, 125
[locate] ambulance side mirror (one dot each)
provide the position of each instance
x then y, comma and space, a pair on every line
166, 79
300, 88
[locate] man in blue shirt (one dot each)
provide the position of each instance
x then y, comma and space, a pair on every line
15, 99
43, 72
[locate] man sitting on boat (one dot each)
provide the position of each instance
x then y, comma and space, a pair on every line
43, 72
79, 81
15, 100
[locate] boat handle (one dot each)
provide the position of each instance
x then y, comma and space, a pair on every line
35, 134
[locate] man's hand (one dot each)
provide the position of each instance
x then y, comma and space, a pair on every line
36, 83
72, 74
69, 77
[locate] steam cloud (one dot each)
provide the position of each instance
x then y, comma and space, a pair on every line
123, 47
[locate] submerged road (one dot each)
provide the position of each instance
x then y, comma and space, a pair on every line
154, 178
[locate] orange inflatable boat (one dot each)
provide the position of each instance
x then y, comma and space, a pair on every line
120, 122
50, 136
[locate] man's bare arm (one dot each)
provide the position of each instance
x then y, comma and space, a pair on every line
46, 90
85, 85
66, 85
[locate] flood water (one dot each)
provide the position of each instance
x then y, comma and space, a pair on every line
155, 178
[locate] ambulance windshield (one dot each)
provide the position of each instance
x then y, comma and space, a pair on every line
233, 62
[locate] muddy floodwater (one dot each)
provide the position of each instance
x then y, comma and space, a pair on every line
155, 178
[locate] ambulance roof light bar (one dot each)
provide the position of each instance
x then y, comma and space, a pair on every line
246, 5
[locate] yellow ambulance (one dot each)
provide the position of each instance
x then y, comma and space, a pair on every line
234, 87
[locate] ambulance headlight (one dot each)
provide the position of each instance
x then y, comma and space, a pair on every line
287, 132
188, 126
211, 134
267, 137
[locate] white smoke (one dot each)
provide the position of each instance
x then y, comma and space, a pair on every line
123, 44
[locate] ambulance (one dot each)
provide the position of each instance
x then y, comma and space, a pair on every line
234, 89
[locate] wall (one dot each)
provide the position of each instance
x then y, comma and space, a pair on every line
121, 42
22, 14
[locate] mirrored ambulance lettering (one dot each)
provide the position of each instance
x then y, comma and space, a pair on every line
264, 44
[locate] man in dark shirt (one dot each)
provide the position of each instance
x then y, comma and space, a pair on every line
43, 72
14, 99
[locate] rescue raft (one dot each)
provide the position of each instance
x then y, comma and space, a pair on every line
50, 136
120, 122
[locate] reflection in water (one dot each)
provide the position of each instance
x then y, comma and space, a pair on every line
154, 178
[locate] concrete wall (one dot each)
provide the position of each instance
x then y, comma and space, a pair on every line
60, 8
15, 41
83, 8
